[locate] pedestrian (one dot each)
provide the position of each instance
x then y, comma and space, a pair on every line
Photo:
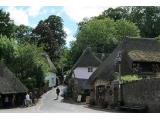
31, 97
57, 92
13, 100
27, 100
79, 98
6, 102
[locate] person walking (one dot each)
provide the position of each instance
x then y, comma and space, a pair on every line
13, 101
31, 97
6, 102
27, 100
57, 92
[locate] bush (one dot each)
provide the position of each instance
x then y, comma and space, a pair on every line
130, 78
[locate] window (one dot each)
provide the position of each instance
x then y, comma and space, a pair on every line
90, 69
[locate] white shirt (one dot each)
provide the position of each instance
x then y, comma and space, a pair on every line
27, 97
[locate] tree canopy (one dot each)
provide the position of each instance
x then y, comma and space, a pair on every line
145, 17
102, 35
23, 34
25, 61
50, 34
6, 24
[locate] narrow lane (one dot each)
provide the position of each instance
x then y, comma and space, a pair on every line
47, 104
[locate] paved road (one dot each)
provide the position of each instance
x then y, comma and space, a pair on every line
47, 104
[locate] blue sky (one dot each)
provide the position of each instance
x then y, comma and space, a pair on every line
71, 15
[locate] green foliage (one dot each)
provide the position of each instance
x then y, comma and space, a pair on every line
102, 35
64, 63
50, 35
157, 38
7, 49
31, 65
130, 78
6, 24
25, 61
115, 14
125, 28
145, 17
23, 34
98, 34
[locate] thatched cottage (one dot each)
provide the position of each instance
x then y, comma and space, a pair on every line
140, 56
87, 63
10, 86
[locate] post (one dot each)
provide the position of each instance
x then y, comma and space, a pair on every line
119, 59
120, 85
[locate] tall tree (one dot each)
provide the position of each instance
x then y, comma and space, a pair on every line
147, 18
50, 34
6, 24
115, 14
102, 35
25, 61
23, 33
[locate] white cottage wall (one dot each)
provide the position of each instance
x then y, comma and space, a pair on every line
82, 72
52, 79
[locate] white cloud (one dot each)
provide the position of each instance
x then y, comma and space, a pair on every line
21, 16
69, 37
67, 30
34, 10
77, 13
18, 15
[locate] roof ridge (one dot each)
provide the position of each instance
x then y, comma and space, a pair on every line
88, 53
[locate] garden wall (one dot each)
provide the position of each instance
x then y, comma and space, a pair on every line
143, 92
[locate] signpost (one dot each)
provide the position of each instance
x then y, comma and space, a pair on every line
118, 60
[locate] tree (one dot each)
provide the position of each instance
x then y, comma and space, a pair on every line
6, 24
145, 17
23, 34
7, 49
25, 61
98, 34
64, 63
115, 14
102, 35
50, 35
29, 65
126, 28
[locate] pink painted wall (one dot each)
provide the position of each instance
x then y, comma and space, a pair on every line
82, 72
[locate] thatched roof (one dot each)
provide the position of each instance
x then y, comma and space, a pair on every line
133, 49
145, 56
88, 58
9, 83
101, 56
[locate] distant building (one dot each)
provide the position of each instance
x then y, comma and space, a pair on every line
51, 78
10, 86
82, 70
139, 56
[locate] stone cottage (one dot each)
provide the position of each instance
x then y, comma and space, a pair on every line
82, 70
140, 56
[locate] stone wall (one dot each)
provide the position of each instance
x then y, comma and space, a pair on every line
143, 92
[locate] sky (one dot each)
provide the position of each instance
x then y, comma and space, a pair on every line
71, 15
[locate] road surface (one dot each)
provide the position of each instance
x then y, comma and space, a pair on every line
47, 104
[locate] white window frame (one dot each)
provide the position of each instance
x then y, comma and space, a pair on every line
90, 69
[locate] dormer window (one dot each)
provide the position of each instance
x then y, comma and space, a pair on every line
90, 69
